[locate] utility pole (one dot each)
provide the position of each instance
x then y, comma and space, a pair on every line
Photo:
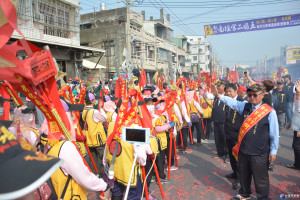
266, 65
117, 53
128, 2
107, 53
199, 50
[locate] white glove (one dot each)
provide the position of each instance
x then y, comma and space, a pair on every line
174, 132
140, 152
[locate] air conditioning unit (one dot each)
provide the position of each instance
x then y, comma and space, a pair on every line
38, 17
76, 56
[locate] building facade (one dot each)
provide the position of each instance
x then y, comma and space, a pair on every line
55, 23
149, 42
200, 54
290, 55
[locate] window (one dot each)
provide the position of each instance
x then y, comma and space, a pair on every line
195, 58
150, 51
162, 54
55, 17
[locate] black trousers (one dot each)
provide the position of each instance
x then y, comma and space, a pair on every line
185, 133
207, 125
168, 151
160, 162
220, 139
199, 129
230, 142
147, 169
256, 166
296, 147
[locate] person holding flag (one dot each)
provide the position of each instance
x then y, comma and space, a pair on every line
257, 142
206, 106
161, 128
186, 121
94, 130
195, 112
74, 175
120, 154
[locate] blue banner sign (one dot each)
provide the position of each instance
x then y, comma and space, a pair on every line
253, 25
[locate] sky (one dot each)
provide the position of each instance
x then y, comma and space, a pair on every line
189, 17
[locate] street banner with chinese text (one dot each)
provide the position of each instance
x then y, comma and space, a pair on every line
253, 25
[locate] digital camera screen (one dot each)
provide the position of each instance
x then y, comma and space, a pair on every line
135, 135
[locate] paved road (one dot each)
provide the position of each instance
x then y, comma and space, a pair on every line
202, 177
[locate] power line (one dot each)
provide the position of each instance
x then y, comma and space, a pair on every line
226, 5
158, 9
209, 4
263, 11
211, 11
178, 18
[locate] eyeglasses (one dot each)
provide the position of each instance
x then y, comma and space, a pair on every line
254, 95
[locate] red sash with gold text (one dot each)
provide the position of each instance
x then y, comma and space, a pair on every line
251, 120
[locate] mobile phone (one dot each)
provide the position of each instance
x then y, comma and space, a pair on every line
245, 72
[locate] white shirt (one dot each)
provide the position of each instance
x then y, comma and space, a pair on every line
73, 165
98, 116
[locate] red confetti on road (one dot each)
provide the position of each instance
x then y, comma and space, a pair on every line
202, 177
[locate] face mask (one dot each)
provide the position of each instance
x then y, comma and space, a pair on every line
1, 111
157, 106
151, 108
30, 119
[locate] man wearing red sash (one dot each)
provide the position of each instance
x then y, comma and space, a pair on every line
257, 141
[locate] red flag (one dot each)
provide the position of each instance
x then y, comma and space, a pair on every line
142, 79
120, 89
196, 97
233, 77
145, 119
4, 93
9, 19
170, 99
120, 118
205, 77
82, 95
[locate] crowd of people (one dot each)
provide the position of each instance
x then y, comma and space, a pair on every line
246, 121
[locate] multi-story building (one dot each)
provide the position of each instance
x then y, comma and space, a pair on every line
149, 41
200, 54
182, 44
290, 58
290, 55
55, 23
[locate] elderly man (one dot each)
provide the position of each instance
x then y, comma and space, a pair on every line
257, 142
